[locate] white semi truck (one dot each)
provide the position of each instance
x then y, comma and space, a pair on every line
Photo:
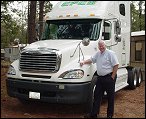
49, 69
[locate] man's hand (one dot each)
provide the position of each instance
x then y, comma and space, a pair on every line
113, 77
81, 63
85, 62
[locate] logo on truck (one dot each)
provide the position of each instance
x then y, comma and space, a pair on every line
71, 3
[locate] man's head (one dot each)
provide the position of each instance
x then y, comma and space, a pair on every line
101, 45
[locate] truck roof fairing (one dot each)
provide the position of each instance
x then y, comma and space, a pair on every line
82, 9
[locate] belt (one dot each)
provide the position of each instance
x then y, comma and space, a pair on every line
107, 75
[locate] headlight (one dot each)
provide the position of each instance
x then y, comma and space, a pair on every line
11, 70
72, 74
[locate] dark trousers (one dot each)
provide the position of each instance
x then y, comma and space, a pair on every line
104, 83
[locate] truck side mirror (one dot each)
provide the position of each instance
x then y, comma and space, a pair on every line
16, 41
117, 38
118, 27
86, 41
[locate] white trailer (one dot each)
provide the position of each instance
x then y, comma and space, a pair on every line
49, 69
12, 52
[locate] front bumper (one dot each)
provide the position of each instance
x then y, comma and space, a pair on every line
52, 92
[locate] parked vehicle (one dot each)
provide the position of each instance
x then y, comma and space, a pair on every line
49, 69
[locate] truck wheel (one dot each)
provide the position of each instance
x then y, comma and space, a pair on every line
88, 104
23, 101
139, 77
132, 78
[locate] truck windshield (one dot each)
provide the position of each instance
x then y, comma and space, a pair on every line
72, 29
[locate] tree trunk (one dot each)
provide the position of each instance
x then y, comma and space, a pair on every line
140, 11
31, 22
41, 16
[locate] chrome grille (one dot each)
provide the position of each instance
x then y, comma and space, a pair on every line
36, 62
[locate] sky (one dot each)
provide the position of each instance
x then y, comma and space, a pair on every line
54, 2
22, 6
19, 6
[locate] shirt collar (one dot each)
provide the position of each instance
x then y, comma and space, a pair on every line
103, 51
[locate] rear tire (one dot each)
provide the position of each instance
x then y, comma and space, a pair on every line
132, 78
139, 77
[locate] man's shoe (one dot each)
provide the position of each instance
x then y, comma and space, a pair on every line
109, 117
89, 116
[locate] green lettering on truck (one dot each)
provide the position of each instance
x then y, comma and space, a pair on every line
78, 3
65, 4
82, 3
91, 3
72, 3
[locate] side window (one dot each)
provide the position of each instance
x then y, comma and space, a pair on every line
138, 51
106, 31
122, 9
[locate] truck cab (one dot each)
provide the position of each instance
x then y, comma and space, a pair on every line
49, 69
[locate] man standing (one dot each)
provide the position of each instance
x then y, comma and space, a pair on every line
107, 66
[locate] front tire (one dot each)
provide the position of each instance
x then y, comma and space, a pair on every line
89, 103
23, 101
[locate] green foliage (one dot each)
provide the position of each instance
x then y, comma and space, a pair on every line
138, 16
11, 27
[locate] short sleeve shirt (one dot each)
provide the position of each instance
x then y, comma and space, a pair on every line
105, 61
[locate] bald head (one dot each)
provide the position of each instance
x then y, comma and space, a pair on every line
101, 45
101, 42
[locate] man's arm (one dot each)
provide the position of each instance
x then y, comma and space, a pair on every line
88, 61
115, 68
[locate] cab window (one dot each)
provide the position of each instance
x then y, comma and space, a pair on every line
106, 31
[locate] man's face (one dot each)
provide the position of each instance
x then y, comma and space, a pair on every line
101, 47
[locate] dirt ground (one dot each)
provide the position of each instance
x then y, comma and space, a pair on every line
128, 104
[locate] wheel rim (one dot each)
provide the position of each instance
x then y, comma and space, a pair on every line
135, 77
93, 91
139, 78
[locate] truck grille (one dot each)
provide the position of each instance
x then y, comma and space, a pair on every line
37, 61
